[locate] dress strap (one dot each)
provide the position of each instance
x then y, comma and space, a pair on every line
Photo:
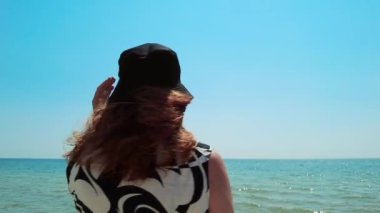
203, 145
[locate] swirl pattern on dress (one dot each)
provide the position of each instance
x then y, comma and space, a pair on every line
182, 188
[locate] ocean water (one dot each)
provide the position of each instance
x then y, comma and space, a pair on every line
305, 185
258, 186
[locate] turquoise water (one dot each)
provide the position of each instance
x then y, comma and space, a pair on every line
258, 185
305, 185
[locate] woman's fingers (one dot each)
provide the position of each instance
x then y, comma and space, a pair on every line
102, 92
106, 84
107, 91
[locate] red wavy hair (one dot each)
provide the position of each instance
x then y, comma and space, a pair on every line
129, 138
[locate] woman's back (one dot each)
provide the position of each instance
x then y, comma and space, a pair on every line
181, 188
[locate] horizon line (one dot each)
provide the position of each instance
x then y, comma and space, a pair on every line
328, 158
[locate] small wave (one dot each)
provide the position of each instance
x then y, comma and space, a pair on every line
287, 210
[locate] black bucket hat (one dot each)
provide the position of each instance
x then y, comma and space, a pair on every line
149, 64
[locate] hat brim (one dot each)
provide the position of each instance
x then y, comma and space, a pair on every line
122, 92
181, 88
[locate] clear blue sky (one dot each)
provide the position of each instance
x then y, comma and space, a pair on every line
271, 79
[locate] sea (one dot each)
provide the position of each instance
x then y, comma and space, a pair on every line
295, 186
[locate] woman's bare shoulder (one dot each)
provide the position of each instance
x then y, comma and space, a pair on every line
220, 189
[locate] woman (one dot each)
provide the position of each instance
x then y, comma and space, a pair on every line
134, 154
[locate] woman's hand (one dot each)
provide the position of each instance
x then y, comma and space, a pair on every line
102, 93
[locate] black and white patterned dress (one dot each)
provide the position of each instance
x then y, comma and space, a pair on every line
183, 188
